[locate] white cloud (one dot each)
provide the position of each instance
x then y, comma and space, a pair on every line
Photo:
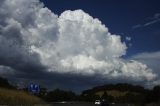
148, 55
136, 26
150, 21
128, 38
73, 42
5, 70
151, 59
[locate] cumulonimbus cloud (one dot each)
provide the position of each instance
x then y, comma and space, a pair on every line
73, 42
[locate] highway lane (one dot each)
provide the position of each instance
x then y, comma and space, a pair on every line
82, 104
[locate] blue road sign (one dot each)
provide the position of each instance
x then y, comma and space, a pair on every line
34, 88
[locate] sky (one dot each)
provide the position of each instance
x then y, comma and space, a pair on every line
121, 17
76, 45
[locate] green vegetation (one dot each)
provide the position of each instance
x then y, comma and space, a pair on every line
5, 84
60, 95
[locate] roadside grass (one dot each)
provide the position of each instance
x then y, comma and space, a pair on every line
15, 97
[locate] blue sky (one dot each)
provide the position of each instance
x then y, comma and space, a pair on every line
121, 17
75, 44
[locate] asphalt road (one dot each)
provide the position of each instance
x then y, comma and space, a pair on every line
82, 104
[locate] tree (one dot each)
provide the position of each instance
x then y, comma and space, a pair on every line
4, 83
105, 95
156, 93
61, 95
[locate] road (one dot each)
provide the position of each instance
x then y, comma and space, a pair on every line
82, 104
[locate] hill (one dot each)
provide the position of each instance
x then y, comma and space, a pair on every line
121, 87
120, 93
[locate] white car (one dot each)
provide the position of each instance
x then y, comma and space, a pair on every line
97, 102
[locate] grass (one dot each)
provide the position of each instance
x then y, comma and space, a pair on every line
15, 97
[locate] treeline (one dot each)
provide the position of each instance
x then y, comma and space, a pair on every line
132, 94
129, 93
5, 84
